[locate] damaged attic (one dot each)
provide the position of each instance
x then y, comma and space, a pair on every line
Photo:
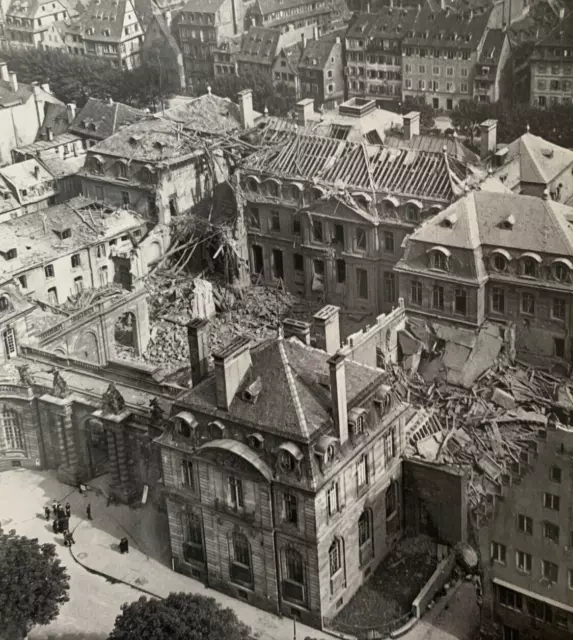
319, 363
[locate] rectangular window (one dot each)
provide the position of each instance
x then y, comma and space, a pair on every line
509, 598
23, 280
254, 218
416, 292
362, 471
550, 571
527, 303
390, 445
389, 241
78, 284
49, 271
53, 296
275, 221
389, 287
339, 234
317, 235
277, 264
290, 508
298, 262
498, 552
559, 347
103, 276
100, 251
318, 275
559, 308
498, 300
362, 283
296, 228
76, 261
551, 501
523, 561
555, 474
464, 87
551, 532
461, 302
525, 524
436, 70
187, 474
125, 197
332, 499
236, 492
360, 239
341, 271
438, 297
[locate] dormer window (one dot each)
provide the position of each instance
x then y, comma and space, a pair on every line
449, 221
289, 457
316, 193
252, 185
286, 461
530, 265
325, 450
106, 33
256, 441
185, 423
11, 254
121, 169
439, 258
66, 233
216, 430
412, 212
96, 165
251, 393
92, 126
561, 270
508, 223
357, 421
501, 260
4, 303
146, 175
273, 188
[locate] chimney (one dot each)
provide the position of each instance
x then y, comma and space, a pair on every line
443, 5
546, 194
49, 133
4, 71
198, 340
411, 125
71, 112
13, 81
46, 87
327, 329
231, 365
246, 108
304, 111
303, 40
315, 33
36, 172
297, 329
488, 138
168, 18
338, 395
338, 40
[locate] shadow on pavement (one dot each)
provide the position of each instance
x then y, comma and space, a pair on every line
72, 636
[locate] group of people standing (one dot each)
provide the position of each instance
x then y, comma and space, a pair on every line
61, 523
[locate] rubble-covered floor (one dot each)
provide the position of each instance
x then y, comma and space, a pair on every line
389, 593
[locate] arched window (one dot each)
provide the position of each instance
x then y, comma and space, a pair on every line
146, 175
192, 538
11, 435
286, 461
273, 188
96, 166
4, 304
252, 185
316, 193
293, 584
121, 169
335, 557
439, 260
500, 262
529, 267
412, 213
241, 569
561, 271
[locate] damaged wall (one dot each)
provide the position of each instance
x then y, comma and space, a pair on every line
435, 501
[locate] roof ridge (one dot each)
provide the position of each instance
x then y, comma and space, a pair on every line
292, 388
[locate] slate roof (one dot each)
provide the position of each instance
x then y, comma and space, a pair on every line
55, 118
34, 236
203, 6
369, 167
541, 226
434, 144
316, 54
207, 113
63, 167
102, 15
386, 23
260, 45
561, 35
447, 29
9, 98
30, 8
32, 180
535, 160
107, 117
292, 401
492, 47
44, 145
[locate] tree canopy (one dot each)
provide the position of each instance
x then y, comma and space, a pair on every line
181, 616
33, 585
427, 113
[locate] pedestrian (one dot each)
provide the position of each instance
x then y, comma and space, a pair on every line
126, 545
59, 509
71, 538
66, 539
65, 523
47, 512
68, 510
55, 526
121, 546
81, 489
89, 511
55, 507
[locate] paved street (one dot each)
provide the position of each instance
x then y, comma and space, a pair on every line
94, 602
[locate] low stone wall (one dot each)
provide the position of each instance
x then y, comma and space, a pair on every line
439, 578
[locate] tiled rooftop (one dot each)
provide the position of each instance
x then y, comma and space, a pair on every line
101, 119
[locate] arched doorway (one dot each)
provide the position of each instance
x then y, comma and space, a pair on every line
125, 334
96, 437
87, 348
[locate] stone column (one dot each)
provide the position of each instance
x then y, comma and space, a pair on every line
121, 458
61, 411
112, 452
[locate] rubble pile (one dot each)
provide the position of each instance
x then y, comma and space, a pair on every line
489, 430
255, 312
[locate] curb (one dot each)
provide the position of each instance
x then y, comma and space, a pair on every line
113, 580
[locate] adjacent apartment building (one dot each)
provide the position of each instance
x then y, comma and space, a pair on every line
282, 471
502, 257
294, 14
551, 66
27, 23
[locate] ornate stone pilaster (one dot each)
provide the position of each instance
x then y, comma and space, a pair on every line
60, 412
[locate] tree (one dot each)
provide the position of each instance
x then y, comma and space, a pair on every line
427, 113
469, 114
181, 616
33, 585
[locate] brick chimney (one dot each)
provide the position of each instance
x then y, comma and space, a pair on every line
411, 125
488, 138
327, 329
198, 339
297, 329
231, 366
71, 111
13, 81
337, 369
304, 111
246, 108
4, 75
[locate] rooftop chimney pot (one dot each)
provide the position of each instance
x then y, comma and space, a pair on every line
488, 139
13, 81
327, 329
231, 365
4, 73
337, 370
198, 340
304, 111
411, 125
246, 109
71, 112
